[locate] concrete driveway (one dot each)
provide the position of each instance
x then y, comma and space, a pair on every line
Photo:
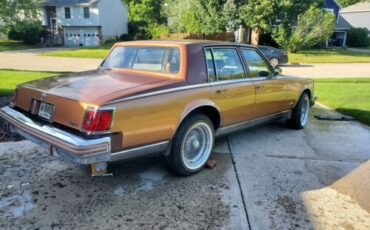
268, 177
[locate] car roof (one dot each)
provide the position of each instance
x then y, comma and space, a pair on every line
184, 42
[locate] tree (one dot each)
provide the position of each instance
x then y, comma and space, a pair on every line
146, 18
196, 16
314, 27
12, 11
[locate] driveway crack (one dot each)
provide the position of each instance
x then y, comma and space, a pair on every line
238, 181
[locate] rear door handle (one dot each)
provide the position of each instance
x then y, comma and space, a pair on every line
221, 91
258, 87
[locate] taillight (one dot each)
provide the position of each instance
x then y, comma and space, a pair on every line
97, 120
13, 99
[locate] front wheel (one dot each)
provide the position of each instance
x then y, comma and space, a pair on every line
300, 113
192, 145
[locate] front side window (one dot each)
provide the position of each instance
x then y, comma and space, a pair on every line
154, 59
86, 12
256, 64
227, 64
67, 12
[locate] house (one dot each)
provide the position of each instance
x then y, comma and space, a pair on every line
340, 36
84, 22
357, 16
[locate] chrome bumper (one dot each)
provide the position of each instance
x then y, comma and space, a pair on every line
67, 145
70, 146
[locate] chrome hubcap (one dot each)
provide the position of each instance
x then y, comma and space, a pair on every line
304, 111
197, 145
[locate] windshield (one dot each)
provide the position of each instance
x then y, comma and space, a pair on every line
155, 59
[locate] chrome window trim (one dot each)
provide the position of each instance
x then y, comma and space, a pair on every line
227, 47
194, 86
263, 58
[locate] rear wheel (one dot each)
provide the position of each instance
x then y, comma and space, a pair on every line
300, 113
192, 145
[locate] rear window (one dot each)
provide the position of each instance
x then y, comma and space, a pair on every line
155, 59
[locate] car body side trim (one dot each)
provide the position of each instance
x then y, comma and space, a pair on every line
247, 124
140, 151
194, 86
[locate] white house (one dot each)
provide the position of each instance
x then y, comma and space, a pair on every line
84, 22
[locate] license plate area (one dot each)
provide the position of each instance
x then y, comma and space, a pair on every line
46, 110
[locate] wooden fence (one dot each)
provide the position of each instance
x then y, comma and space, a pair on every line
227, 36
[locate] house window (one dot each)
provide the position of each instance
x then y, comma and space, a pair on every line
86, 12
67, 12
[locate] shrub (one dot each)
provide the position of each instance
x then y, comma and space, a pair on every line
314, 27
27, 31
357, 37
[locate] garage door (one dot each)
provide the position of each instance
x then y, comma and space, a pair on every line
85, 36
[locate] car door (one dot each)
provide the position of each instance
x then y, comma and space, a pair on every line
232, 91
270, 90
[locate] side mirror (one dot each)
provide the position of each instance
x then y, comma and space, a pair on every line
278, 71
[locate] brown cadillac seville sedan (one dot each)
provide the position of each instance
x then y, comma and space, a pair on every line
148, 97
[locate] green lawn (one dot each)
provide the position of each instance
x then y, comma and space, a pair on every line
350, 96
329, 56
6, 44
86, 52
9, 79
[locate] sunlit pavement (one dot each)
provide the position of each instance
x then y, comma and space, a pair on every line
268, 177
328, 70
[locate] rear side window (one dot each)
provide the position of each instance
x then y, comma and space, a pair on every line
227, 64
155, 59
256, 64
210, 65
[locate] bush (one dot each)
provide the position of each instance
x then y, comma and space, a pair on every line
27, 31
314, 27
357, 37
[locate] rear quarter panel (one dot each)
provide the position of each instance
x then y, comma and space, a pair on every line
155, 118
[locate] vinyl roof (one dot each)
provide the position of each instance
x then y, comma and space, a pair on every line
183, 42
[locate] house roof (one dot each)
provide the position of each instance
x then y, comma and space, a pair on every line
68, 2
342, 24
361, 6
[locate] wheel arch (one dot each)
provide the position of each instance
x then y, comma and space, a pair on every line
206, 107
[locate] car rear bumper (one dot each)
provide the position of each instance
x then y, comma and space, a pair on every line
70, 146
76, 148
